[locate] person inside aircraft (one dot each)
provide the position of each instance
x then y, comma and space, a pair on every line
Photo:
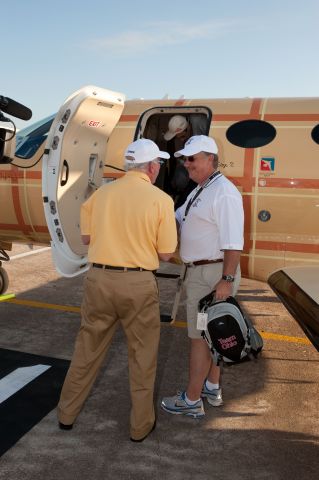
170, 133
177, 182
211, 240
179, 130
127, 235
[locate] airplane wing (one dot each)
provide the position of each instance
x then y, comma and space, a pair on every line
298, 289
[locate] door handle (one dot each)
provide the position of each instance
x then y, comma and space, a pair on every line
65, 173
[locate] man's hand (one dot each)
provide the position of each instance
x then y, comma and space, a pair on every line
231, 260
223, 290
85, 239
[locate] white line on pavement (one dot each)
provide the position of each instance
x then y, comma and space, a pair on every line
19, 378
21, 255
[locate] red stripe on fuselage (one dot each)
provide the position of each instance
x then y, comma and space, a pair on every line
244, 266
16, 203
298, 183
288, 247
16, 227
18, 174
128, 118
180, 102
248, 182
291, 117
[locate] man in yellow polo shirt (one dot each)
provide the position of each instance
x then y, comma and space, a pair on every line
129, 225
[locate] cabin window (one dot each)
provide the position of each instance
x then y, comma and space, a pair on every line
315, 134
251, 133
31, 138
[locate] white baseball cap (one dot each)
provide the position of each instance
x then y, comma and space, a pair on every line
177, 124
143, 150
196, 144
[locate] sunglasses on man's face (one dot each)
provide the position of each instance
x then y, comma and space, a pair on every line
189, 159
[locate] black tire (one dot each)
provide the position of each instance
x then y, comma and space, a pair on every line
4, 281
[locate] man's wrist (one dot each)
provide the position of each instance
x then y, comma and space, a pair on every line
228, 278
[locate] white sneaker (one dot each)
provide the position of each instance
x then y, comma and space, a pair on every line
178, 406
214, 397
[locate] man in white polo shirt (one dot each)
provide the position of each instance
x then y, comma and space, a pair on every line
211, 225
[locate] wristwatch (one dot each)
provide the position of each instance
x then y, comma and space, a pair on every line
228, 278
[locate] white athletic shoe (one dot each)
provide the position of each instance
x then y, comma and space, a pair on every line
214, 397
178, 406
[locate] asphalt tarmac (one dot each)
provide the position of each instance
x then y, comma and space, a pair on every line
266, 429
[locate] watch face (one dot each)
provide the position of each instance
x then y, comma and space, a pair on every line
228, 278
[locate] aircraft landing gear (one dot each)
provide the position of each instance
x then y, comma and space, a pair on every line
4, 279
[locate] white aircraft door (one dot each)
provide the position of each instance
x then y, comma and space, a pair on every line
73, 164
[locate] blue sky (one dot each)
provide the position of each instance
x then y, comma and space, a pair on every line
147, 49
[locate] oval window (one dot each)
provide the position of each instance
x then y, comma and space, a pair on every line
315, 134
251, 133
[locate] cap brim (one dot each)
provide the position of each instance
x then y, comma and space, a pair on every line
187, 151
190, 150
160, 154
169, 135
164, 155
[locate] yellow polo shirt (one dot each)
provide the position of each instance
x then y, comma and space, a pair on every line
129, 221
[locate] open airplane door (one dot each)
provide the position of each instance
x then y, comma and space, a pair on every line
73, 164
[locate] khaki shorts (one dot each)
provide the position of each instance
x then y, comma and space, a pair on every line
200, 281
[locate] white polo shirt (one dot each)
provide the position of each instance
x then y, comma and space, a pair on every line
215, 222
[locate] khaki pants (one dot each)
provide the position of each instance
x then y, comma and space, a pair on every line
110, 297
200, 281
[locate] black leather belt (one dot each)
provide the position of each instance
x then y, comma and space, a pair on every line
203, 262
123, 269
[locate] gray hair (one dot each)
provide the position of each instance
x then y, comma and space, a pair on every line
215, 158
137, 166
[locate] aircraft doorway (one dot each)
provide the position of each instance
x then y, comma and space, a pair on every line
154, 124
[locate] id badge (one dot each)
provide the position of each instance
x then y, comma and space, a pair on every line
202, 321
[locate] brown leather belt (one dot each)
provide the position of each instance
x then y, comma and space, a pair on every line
203, 262
123, 269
